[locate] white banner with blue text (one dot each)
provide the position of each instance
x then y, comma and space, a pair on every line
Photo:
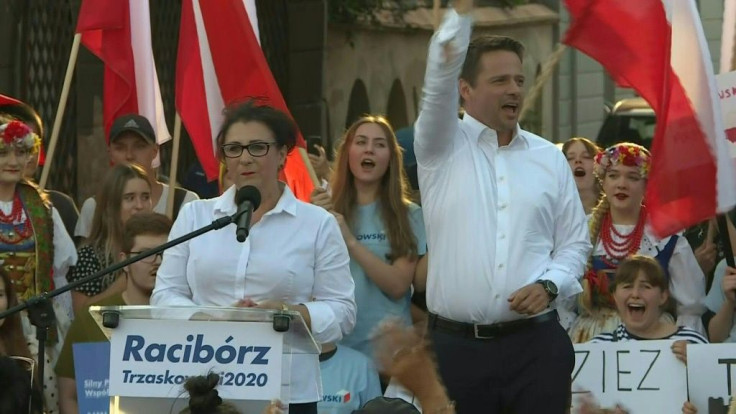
153, 358
641, 376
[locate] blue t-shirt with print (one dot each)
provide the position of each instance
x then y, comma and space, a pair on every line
349, 380
373, 305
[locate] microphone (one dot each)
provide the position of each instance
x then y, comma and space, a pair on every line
248, 199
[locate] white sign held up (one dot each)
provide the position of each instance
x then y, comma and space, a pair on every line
642, 376
149, 359
711, 374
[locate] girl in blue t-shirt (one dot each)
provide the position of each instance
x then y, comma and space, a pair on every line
382, 228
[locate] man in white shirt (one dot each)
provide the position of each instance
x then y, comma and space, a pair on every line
133, 141
506, 227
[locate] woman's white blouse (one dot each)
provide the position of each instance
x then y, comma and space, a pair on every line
295, 254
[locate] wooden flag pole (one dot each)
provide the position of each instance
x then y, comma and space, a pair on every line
310, 169
548, 68
60, 110
174, 167
436, 15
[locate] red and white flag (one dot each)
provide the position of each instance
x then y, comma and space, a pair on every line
220, 62
658, 48
119, 33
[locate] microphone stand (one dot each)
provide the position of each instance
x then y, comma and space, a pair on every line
41, 312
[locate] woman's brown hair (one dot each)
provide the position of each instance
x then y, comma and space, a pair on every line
629, 269
589, 145
107, 227
393, 198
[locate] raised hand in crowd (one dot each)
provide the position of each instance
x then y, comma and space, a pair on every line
463, 6
689, 408
720, 325
321, 197
679, 348
404, 355
320, 163
706, 255
729, 285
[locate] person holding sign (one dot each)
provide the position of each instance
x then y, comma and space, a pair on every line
640, 291
618, 230
294, 259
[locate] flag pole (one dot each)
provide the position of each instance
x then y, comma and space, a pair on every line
310, 168
173, 167
60, 110
548, 68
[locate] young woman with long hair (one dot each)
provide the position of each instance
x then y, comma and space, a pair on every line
124, 192
382, 228
580, 153
618, 229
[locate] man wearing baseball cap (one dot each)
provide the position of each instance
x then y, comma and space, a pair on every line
133, 141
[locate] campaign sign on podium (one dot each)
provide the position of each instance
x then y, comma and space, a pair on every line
155, 349
642, 376
150, 359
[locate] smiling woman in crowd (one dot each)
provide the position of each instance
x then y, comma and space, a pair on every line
618, 230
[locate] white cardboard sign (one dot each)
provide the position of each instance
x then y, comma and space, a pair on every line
153, 358
642, 376
711, 375
727, 93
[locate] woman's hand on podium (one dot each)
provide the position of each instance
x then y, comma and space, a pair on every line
245, 303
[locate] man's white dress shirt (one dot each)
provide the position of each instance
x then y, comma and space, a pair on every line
497, 218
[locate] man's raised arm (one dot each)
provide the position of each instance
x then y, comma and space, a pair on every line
437, 122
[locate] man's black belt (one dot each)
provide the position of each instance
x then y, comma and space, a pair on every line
470, 330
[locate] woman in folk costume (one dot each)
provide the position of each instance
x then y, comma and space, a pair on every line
618, 230
35, 249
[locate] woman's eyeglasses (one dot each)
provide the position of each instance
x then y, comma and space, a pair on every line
256, 149
150, 259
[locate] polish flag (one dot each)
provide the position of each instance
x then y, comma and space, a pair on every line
221, 62
119, 33
658, 48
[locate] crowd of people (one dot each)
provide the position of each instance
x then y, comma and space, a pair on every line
470, 302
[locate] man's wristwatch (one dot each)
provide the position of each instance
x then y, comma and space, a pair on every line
549, 287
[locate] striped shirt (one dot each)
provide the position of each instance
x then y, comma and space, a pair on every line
621, 334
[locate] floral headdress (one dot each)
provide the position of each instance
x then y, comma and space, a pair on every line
19, 135
628, 154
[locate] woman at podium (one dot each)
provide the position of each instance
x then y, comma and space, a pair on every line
293, 259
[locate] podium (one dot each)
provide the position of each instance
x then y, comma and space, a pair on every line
153, 350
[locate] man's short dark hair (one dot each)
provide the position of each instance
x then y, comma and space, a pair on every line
144, 224
480, 46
